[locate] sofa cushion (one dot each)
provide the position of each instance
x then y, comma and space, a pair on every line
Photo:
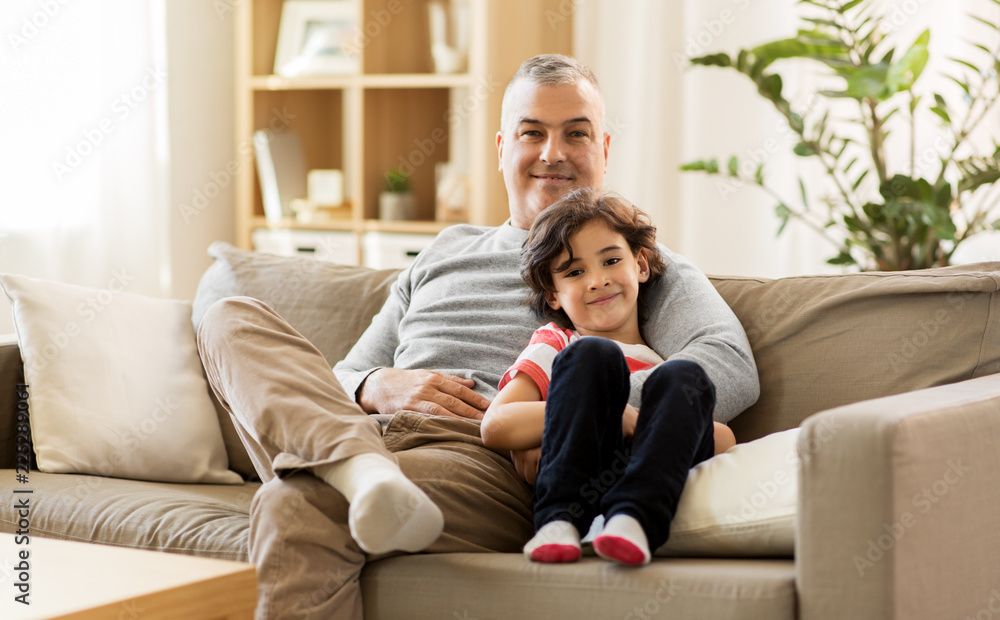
116, 387
828, 340
329, 304
207, 520
500, 586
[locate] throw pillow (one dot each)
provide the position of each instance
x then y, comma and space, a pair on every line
329, 304
741, 503
115, 384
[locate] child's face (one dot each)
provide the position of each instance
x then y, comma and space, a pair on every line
599, 290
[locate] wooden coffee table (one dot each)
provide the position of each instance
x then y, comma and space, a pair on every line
85, 581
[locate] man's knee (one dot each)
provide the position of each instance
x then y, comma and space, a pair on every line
226, 315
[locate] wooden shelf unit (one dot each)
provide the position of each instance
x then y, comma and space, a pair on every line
396, 112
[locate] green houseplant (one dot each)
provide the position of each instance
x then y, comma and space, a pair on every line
396, 202
917, 213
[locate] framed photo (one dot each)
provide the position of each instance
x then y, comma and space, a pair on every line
317, 37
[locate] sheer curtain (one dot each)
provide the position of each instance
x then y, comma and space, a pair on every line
83, 146
662, 115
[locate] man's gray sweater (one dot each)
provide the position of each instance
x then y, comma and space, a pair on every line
460, 309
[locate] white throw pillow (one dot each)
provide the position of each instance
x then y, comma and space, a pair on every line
115, 384
743, 502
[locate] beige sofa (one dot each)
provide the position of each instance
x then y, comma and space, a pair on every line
893, 378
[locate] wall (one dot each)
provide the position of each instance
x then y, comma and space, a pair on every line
202, 154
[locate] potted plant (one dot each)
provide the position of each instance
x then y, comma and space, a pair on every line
879, 214
396, 201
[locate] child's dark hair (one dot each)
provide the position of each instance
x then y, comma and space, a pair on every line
549, 237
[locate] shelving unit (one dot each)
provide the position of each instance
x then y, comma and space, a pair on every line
395, 111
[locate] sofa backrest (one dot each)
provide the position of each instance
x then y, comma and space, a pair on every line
829, 340
819, 341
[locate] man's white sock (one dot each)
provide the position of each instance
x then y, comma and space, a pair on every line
387, 511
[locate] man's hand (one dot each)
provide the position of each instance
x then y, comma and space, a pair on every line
389, 390
629, 419
526, 463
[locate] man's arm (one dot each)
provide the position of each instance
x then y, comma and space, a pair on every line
688, 319
367, 372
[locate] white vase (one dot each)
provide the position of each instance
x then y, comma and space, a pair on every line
396, 206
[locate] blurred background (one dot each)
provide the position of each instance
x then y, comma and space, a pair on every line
120, 113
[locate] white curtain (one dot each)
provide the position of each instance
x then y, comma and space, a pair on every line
83, 147
662, 115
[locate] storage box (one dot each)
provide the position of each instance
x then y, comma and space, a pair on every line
334, 246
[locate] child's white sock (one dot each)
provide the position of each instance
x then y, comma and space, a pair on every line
623, 540
387, 511
557, 541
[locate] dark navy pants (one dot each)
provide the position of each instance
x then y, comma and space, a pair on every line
587, 468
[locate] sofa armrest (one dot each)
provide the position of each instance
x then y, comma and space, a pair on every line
898, 504
11, 374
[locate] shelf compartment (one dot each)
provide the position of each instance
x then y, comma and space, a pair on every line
315, 115
408, 129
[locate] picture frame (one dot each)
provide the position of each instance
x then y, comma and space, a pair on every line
317, 37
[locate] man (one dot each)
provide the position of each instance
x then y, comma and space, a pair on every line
337, 489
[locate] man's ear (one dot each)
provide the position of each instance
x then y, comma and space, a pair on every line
607, 145
643, 264
500, 150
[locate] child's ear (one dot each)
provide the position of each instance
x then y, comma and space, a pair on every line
643, 264
550, 297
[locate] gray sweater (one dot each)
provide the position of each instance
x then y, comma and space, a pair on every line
460, 309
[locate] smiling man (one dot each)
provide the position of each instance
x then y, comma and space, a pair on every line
340, 489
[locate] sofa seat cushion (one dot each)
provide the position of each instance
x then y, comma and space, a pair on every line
208, 520
453, 585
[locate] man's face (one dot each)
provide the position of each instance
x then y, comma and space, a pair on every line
554, 142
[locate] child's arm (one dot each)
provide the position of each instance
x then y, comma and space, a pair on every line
724, 438
516, 417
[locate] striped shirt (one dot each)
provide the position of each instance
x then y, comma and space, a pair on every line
547, 341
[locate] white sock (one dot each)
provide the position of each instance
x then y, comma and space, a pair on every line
387, 511
557, 541
623, 540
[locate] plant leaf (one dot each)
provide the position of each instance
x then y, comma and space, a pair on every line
713, 60
985, 21
734, 166
941, 112
965, 63
842, 258
803, 150
903, 74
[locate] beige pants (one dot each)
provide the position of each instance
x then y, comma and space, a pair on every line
292, 414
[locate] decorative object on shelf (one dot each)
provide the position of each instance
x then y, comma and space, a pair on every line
281, 169
452, 193
317, 37
326, 187
917, 213
396, 201
448, 58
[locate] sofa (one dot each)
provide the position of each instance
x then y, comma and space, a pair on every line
891, 378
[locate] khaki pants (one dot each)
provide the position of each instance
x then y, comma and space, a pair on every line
292, 414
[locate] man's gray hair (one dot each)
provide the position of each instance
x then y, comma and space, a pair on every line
548, 70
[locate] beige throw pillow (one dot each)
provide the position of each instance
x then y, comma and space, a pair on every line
115, 384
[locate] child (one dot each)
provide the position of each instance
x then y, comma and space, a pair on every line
587, 261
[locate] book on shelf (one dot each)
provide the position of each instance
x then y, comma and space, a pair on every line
281, 168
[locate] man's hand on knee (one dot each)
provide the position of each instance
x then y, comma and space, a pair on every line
389, 390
